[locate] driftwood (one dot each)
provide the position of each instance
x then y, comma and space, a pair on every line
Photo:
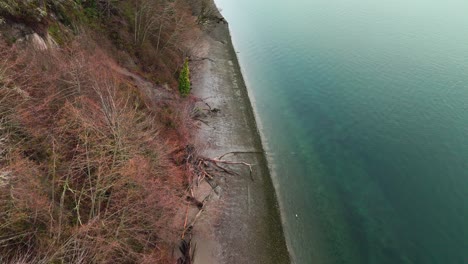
239, 152
188, 254
210, 109
200, 169
188, 228
185, 222
195, 202
193, 58
216, 161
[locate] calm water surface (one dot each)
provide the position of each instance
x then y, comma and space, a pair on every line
363, 106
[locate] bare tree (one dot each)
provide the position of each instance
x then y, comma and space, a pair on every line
146, 20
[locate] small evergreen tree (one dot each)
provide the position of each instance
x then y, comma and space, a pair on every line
184, 79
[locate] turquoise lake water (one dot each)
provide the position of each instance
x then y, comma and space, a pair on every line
363, 108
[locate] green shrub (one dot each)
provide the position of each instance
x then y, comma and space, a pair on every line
184, 79
90, 9
56, 33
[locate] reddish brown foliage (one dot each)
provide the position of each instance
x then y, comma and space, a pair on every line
86, 174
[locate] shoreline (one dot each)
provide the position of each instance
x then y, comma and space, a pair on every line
243, 222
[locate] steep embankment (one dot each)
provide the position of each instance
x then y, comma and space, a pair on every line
91, 125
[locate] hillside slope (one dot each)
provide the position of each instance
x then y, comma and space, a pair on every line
93, 132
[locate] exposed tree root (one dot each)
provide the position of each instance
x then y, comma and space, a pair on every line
200, 169
216, 161
239, 152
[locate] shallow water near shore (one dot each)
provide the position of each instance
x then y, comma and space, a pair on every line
363, 108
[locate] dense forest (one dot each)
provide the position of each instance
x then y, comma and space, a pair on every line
93, 129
